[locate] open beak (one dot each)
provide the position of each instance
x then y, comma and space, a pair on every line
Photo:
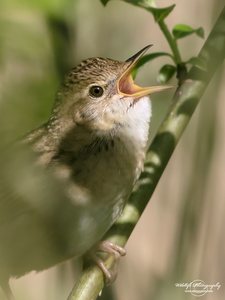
127, 87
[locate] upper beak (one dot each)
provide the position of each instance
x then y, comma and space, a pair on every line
126, 85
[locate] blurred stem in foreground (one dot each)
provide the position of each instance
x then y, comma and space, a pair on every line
194, 200
185, 101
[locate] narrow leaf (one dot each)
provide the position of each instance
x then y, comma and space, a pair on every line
151, 56
141, 3
182, 30
104, 2
166, 73
146, 59
161, 13
158, 13
200, 32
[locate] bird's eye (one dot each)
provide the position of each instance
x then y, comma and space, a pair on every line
96, 91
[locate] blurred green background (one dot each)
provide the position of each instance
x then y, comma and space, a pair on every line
180, 237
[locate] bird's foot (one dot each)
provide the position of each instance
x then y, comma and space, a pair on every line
110, 249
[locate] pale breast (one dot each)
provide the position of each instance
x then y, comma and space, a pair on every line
104, 170
97, 174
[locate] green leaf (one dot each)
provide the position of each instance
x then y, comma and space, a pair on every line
104, 2
134, 2
200, 32
182, 30
151, 56
150, 2
166, 73
198, 62
146, 59
160, 14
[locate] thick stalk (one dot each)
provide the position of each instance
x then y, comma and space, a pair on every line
171, 41
185, 101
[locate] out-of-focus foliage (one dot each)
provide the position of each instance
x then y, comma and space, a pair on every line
35, 53
166, 73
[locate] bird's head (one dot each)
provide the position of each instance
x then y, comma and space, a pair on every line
99, 93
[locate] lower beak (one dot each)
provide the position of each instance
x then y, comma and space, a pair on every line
125, 84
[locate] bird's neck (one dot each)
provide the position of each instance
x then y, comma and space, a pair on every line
135, 131
63, 135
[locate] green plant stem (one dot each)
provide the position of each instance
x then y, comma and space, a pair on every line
171, 41
181, 69
185, 101
164, 28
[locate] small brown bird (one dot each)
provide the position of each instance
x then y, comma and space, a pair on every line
94, 146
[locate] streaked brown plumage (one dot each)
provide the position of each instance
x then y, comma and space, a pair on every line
93, 146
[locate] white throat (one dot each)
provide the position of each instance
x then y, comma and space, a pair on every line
135, 131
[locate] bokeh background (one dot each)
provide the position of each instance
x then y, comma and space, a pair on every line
180, 237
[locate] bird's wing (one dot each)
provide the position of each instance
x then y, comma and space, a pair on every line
39, 225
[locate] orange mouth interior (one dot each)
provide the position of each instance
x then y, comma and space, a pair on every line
127, 86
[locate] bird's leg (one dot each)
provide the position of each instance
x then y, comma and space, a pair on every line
108, 248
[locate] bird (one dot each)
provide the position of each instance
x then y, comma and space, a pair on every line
90, 153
